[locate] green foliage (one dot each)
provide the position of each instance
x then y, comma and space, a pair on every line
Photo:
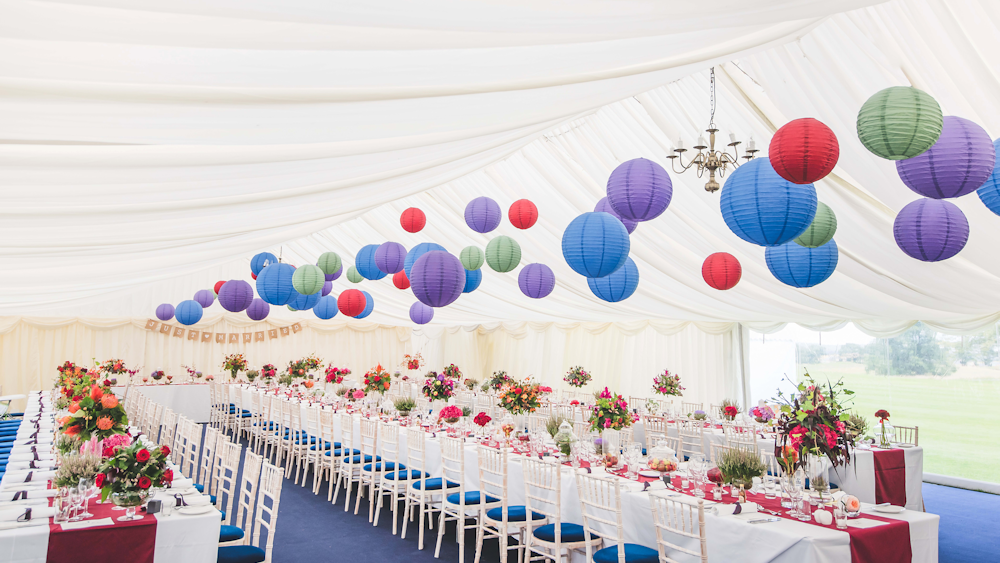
918, 351
74, 467
738, 464
466, 411
402, 404
66, 444
808, 353
552, 425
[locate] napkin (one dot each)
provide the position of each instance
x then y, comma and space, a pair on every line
27, 465
9, 494
41, 501
28, 456
22, 476
745, 508
41, 439
12, 514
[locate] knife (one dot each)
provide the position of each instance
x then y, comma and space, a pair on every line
763, 520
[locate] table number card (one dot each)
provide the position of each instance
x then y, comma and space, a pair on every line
220, 338
206, 336
165, 328
151, 324
234, 338
247, 337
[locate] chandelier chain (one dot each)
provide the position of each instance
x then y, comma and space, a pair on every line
711, 121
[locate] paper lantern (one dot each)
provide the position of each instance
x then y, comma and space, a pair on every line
617, 286
308, 279
763, 208
604, 206
522, 214
235, 296
326, 309
483, 214
958, 163
989, 192
503, 254
330, 263
799, 266
472, 257
390, 257
253, 276
721, 270
416, 252
351, 302
365, 263
303, 302
369, 305
822, 228
421, 314
437, 278
803, 150
354, 276
400, 280
472, 280
639, 189
412, 220
204, 297
218, 286
335, 275
327, 288
292, 309
258, 310
261, 260
536, 280
595, 244
931, 230
899, 122
165, 312
189, 312
274, 284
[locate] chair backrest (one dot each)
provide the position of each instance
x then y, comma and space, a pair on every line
675, 517
369, 438
168, 430
218, 461
416, 457
192, 446
256, 404
207, 463
908, 435
388, 436
537, 422
346, 435
581, 429
248, 491
691, 434
311, 423
689, 408
716, 451
153, 421
228, 474
543, 490
771, 462
601, 506
453, 464
326, 427
715, 410
271, 479
493, 475
656, 428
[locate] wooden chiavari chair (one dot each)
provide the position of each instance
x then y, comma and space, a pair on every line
601, 505
678, 518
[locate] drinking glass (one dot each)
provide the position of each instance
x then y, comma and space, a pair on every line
695, 467
805, 506
86, 486
840, 516
75, 500
769, 487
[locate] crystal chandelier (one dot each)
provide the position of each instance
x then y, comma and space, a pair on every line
715, 162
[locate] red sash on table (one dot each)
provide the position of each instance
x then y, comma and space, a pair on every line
890, 476
133, 541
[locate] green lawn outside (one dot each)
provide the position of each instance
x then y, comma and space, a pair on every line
958, 415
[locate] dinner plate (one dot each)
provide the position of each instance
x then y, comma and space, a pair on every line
650, 473
905, 445
889, 509
192, 510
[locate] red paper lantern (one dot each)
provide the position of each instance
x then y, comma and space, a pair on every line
803, 151
412, 220
522, 214
721, 270
218, 285
351, 302
253, 275
400, 280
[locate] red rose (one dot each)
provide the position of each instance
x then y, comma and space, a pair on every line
165, 451
144, 482
77, 398
99, 480
142, 456
168, 476
731, 411
108, 452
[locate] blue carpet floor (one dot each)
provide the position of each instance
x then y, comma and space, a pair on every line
969, 531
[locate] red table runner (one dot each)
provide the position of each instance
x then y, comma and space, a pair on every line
133, 541
890, 476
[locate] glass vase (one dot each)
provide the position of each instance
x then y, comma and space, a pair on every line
611, 445
886, 434
130, 501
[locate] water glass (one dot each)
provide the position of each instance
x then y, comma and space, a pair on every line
840, 517
86, 486
75, 498
805, 506
769, 487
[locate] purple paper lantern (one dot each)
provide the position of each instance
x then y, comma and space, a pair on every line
327, 288
931, 230
235, 295
639, 189
389, 257
421, 314
258, 310
536, 280
958, 163
437, 278
204, 297
604, 206
165, 312
335, 275
483, 214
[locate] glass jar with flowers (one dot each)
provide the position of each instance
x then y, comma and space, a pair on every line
738, 467
234, 364
728, 410
886, 432
127, 475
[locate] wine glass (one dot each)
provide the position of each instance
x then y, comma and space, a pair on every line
75, 500
695, 466
86, 487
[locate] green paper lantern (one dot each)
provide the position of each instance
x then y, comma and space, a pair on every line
329, 262
899, 122
472, 258
290, 308
353, 275
821, 230
503, 254
308, 279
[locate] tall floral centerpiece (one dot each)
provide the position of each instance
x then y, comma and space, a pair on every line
437, 387
451, 371
99, 414
496, 381
668, 384
127, 475
234, 364
610, 415
302, 367
336, 375
111, 369
762, 414
268, 372
886, 432
412, 362
377, 380
577, 376
519, 398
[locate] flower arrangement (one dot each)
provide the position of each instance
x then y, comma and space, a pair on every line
610, 412
482, 419
234, 363
112, 367
699, 415
192, 372
883, 437
544, 389
302, 367
157, 375
133, 469
577, 376
667, 384
377, 380
75, 467
574, 403
813, 421
471, 384
452, 371
762, 414
788, 458
739, 466
520, 398
496, 381
437, 387
357, 394
412, 362
74, 382
450, 414
268, 371
334, 375
97, 414
404, 405
252, 374
857, 426
729, 412
209, 378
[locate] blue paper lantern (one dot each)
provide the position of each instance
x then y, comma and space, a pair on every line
303, 302
260, 261
165, 312
595, 244
258, 310
274, 284
390, 257
369, 306
989, 192
472, 280
421, 314
417, 252
189, 312
365, 263
618, 286
326, 309
799, 266
761, 207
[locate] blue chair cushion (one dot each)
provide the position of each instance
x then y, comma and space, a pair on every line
241, 554
471, 497
403, 475
230, 533
356, 460
634, 553
568, 533
200, 487
514, 514
306, 440
212, 499
434, 484
326, 446
389, 466
223, 515
339, 453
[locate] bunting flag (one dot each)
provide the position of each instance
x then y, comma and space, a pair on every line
192, 335
178, 332
223, 337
